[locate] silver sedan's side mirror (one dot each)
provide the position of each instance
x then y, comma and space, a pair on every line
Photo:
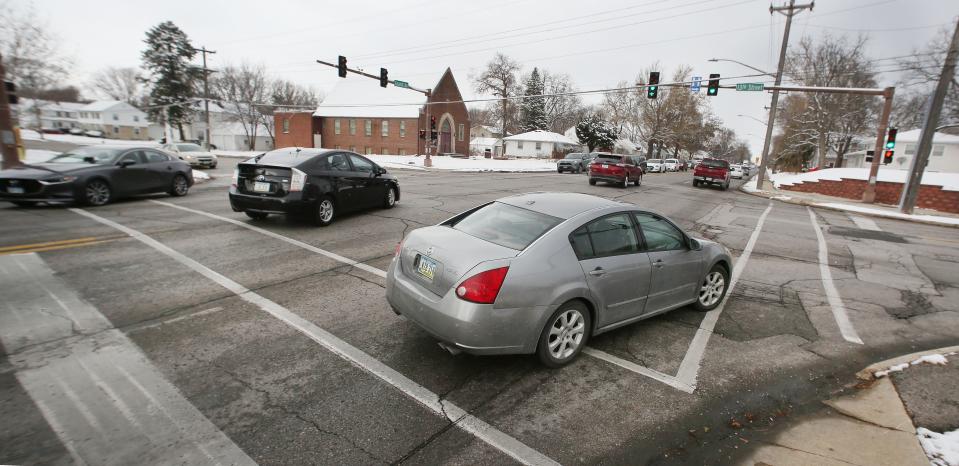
695, 245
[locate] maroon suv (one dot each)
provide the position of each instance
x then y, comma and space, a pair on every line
615, 168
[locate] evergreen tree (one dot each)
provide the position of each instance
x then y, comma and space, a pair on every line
596, 133
170, 75
533, 109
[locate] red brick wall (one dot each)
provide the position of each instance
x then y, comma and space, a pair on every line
301, 129
393, 143
930, 197
447, 91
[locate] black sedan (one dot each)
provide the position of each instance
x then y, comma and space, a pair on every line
317, 183
96, 175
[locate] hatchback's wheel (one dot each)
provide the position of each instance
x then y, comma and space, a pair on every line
390, 199
625, 182
97, 192
324, 212
713, 288
24, 203
592, 182
565, 335
180, 186
256, 215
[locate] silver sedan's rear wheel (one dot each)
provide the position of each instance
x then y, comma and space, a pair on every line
565, 335
713, 288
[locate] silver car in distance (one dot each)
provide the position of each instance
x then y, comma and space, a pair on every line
543, 272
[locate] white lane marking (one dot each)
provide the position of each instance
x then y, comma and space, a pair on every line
82, 404
832, 294
324, 252
177, 319
865, 223
631, 366
689, 368
489, 434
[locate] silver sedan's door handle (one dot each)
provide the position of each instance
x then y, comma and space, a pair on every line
658, 264
598, 272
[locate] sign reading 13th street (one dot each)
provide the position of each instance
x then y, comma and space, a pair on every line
749, 86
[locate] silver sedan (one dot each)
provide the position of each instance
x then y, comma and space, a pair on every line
543, 272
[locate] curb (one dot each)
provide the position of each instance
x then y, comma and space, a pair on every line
868, 371
803, 202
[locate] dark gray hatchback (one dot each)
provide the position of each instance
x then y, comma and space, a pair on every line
316, 183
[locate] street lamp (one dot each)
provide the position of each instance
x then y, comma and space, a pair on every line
752, 118
742, 64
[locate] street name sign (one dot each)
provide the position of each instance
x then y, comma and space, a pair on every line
749, 86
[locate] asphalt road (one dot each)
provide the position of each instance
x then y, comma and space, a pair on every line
248, 330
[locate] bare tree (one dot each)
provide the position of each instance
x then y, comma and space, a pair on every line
123, 84
283, 95
922, 73
499, 79
242, 88
562, 111
31, 55
836, 119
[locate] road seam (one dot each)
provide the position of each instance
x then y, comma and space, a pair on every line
456, 415
832, 293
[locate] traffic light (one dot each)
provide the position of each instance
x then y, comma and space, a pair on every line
422, 134
653, 88
713, 87
12, 98
384, 80
887, 157
432, 122
341, 66
891, 138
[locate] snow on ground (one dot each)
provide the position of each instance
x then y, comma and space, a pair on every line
948, 181
942, 449
240, 154
199, 176
31, 135
472, 164
935, 358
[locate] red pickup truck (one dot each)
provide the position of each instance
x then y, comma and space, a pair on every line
712, 171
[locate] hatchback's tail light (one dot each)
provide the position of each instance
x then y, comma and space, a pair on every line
483, 287
297, 181
236, 177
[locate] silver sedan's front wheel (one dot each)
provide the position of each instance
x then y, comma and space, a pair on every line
713, 288
565, 334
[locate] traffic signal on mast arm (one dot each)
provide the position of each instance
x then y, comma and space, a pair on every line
891, 138
713, 87
11, 89
887, 156
341, 66
384, 79
652, 88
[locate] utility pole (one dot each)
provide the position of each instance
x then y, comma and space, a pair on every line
428, 142
8, 142
789, 11
911, 191
206, 94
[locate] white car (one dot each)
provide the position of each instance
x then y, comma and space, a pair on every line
671, 165
654, 166
192, 154
736, 171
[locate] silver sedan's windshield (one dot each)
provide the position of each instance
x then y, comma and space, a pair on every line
506, 225
87, 155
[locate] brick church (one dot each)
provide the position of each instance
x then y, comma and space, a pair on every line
360, 116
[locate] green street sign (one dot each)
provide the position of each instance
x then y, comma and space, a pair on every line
399, 83
749, 86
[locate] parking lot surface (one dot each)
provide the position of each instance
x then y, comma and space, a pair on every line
271, 341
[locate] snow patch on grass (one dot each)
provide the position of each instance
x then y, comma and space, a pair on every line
942, 449
31, 135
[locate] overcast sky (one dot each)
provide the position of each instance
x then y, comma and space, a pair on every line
598, 43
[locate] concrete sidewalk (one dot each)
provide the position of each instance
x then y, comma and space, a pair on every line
874, 425
928, 216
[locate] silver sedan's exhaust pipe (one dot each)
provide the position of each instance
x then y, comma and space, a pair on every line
452, 349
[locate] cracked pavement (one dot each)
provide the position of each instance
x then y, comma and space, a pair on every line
283, 399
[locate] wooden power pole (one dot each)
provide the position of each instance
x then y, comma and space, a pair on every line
206, 94
8, 140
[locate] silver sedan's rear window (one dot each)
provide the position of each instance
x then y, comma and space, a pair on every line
505, 225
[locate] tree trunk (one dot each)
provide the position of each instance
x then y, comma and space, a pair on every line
179, 127
841, 150
649, 149
659, 150
823, 149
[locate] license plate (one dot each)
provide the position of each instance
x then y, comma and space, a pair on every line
261, 187
426, 267
15, 190
605, 166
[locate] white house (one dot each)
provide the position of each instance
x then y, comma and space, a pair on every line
539, 144
231, 136
486, 131
484, 145
53, 115
117, 120
943, 158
